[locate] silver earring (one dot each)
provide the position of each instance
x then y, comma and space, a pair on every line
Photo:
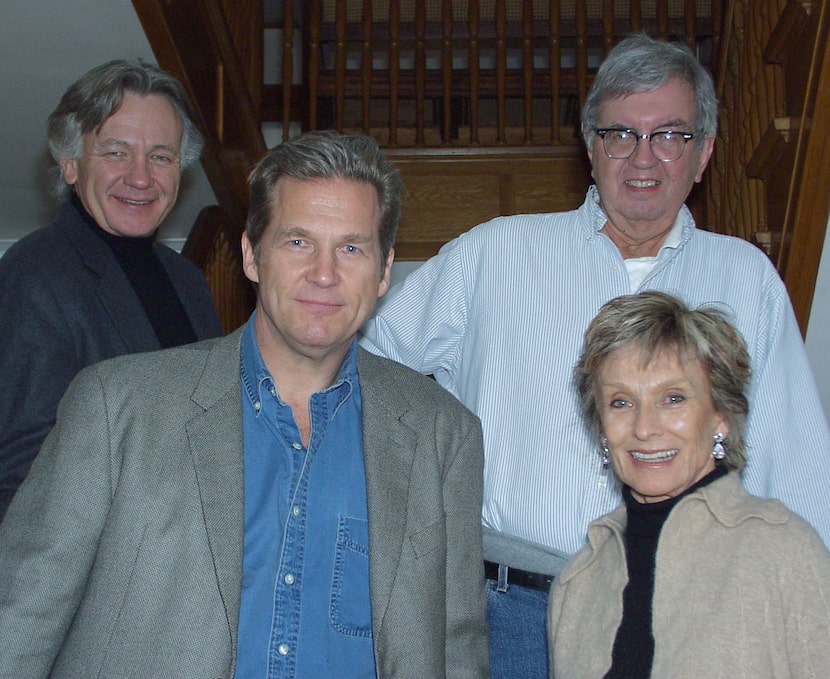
718, 451
606, 455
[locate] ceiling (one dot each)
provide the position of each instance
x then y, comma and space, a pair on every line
45, 45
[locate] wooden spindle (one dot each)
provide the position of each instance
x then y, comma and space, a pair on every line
446, 70
690, 24
287, 67
474, 66
340, 64
527, 68
220, 101
581, 19
635, 13
366, 65
555, 68
607, 26
662, 19
394, 68
420, 68
314, 23
501, 70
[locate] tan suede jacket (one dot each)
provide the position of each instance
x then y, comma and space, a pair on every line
742, 589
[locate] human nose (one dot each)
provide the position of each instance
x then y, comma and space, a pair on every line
643, 155
646, 422
138, 173
323, 269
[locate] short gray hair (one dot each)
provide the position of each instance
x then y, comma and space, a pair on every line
326, 155
98, 94
639, 63
653, 321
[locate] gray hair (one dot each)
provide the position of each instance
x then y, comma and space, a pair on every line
326, 155
98, 94
639, 63
653, 321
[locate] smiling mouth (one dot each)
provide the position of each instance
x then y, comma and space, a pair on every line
642, 183
137, 203
660, 456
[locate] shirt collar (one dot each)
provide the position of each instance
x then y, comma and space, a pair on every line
673, 238
257, 381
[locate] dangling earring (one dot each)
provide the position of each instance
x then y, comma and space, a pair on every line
718, 451
606, 456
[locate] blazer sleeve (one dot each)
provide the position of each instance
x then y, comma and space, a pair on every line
38, 361
467, 648
49, 536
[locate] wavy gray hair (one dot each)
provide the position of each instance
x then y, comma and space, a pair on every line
639, 63
654, 321
98, 94
326, 155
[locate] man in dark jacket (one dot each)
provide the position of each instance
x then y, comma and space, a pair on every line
94, 284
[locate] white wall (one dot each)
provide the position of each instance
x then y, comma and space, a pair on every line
45, 46
818, 329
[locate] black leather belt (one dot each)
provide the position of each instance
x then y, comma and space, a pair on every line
515, 576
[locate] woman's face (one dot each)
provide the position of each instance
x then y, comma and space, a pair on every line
659, 421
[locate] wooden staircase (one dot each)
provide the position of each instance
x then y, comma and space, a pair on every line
770, 178
768, 57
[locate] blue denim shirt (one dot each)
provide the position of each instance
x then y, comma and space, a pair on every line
305, 609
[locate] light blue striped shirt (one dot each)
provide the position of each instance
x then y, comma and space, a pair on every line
498, 317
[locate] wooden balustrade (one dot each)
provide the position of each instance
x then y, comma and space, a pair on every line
769, 181
469, 73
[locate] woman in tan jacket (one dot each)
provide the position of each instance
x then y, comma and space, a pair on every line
691, 576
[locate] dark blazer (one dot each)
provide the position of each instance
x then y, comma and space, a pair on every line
65, 303
121, 555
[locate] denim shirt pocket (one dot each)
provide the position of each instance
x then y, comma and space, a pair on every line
350, 610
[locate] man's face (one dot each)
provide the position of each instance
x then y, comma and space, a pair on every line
319, 268
641, 195
128, 174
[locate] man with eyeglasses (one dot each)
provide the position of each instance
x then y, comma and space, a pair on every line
499, 314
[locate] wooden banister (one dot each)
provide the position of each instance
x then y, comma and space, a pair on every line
193, 43
770, 181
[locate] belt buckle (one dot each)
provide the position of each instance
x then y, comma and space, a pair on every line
502, 585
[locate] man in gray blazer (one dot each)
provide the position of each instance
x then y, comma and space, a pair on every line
94, 284
275, 501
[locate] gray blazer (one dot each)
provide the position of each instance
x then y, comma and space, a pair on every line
121, 554
65, 303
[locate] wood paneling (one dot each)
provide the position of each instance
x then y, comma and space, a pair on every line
447, 194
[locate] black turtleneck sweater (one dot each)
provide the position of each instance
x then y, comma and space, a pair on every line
633, 652
150, 281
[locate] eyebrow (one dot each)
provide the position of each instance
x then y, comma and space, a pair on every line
120, 143
299, 232
670, 124
666, 384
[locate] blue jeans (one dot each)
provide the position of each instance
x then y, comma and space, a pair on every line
518, 635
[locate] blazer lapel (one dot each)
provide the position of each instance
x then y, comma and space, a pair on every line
215, 438
113, 288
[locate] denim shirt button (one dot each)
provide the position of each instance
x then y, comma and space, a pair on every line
297, 446
289, 578
295, 510
283, 649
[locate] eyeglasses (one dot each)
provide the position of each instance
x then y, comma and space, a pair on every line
666, 146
